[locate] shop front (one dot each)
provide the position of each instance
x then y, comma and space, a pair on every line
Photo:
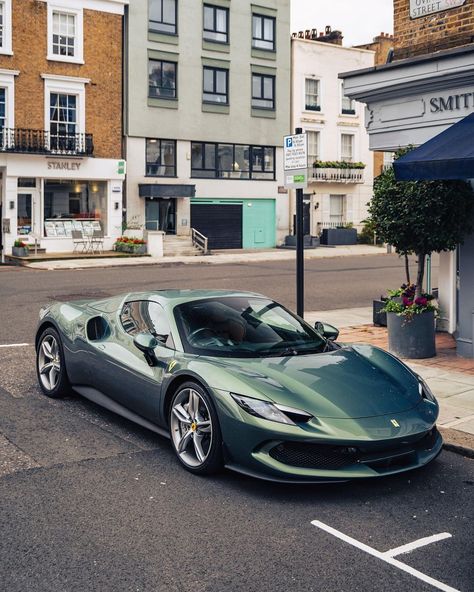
411, 102
44, 200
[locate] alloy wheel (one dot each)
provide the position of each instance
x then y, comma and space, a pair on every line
49, 362
191, 427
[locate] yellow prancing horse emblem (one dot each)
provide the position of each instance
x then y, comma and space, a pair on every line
395, 423
171, 365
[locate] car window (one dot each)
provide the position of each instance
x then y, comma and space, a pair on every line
244, 327
138, 316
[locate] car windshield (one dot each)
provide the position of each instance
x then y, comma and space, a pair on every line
244, 327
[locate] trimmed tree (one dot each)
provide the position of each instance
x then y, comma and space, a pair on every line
421, 217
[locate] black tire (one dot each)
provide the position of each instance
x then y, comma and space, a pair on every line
211, 445
60, 384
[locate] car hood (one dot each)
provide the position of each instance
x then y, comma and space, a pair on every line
351, 382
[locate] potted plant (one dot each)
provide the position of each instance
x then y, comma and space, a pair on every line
125, 244
20, 248
418, 217
407, 337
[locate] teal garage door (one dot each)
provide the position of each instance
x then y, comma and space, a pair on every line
258, 224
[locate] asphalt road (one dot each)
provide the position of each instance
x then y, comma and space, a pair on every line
330, 284
91, 502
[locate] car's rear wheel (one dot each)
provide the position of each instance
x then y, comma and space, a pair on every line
194, 429
50, 365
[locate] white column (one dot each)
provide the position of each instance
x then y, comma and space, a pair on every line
447, 292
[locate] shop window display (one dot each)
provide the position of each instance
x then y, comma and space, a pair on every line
74, 205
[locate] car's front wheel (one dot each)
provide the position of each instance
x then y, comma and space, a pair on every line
50, 365
194, 429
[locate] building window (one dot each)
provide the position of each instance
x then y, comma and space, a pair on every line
215, 85
216, 24
312, 95
263, 91
160, 158
163, 16
336, 208
232, 161
263, 32
347, 104
24, 213
63, 122
64, 34
65, 39
347, 147
313, 147
162, 79
74, 205
5, 26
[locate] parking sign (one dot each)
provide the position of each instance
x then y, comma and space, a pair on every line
295, 161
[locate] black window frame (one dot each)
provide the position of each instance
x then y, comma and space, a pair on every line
214, 71
159, 164
162, 22
163, 96
262, 97
214, 8
263, 18
219, 173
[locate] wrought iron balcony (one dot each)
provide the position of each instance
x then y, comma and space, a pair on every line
33, 141
337, 175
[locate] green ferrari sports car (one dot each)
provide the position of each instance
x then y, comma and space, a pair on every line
235, 379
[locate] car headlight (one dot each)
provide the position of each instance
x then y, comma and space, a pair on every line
425, 390
271, 411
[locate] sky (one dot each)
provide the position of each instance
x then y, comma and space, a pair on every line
359, 20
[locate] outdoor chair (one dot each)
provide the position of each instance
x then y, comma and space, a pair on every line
78, 240
97, 241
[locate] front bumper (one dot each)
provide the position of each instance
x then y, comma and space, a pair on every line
330, 449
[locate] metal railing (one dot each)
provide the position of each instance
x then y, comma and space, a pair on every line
199, 240
334, 175
34, 141
339, 224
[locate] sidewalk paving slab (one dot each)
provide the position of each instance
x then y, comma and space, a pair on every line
227, 257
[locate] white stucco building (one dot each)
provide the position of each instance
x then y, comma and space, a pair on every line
335, 127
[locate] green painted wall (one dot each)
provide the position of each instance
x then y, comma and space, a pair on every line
258, 221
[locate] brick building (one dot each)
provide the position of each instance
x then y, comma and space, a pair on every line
427, 89
60, 120
421, 28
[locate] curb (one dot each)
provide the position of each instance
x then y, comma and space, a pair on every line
458, 442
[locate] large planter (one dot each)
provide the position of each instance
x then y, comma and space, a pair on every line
20, 251
135, 249
339, 236
414, 337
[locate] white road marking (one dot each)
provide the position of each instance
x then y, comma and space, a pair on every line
384, 557
416, 544
15, 344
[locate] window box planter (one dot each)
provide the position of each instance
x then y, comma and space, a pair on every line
135, 249
412, 337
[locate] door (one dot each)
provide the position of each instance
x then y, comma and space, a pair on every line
221, 223
120, 369
259, 224
24, 213
160, 214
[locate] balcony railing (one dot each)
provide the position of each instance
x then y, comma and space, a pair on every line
33, 141
335, 175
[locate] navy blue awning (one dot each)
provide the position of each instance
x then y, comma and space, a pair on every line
449, 155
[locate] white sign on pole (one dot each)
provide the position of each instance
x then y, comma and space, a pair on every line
419, 8
295, 152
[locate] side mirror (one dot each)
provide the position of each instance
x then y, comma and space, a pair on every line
146, 343
327, 331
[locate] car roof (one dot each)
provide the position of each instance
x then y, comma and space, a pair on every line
179, 296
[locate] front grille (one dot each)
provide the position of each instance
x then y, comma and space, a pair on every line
327, 457
314, 456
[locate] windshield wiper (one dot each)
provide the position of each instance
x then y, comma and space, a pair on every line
279, 353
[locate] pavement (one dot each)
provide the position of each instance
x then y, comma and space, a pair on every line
220, 257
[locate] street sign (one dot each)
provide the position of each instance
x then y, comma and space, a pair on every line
297, 179
295, 152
